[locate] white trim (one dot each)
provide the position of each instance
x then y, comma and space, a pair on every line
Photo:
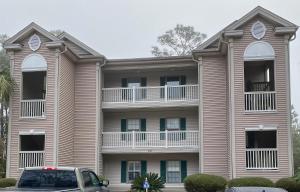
97, 147
231, 108
38, 45
264, 29
200, 113
262, 128
32, 132
259, 50
56, 111
42, 65
288, 91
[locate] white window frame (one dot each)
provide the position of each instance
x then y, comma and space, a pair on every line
168, 124
137, 124
134, 169
176, 171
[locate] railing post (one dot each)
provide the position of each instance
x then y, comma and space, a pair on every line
133, 94
133, 139
166, 93
166, 137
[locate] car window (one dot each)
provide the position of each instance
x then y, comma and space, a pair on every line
87, 179
48, 179
94, 179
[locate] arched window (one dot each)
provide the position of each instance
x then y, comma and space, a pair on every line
259, 50
34, 62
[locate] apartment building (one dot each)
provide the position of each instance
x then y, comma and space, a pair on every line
223, 110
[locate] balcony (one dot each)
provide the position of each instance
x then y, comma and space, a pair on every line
33, 108
260, 101
150, 96
31, 159
261, 158
136, 141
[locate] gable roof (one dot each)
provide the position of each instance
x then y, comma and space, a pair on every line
29, 29
76, 46
264, 13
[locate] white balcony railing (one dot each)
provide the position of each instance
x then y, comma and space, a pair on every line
31, 159
150, 94
149, 140
261, 158
260, 101
33, 108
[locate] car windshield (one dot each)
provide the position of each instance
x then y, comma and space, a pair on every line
48, 179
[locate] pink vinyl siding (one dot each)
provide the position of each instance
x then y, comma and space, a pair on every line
66, 112
18, 124
215, 130
85, 115
278, 118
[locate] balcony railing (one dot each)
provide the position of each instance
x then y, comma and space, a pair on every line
31, 159
260, 101
33, 108
261, 158
150, 94
150, 140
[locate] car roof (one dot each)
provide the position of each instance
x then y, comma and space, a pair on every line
56, 168
256, 189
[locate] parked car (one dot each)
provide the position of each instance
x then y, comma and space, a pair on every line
59, 179
254, 189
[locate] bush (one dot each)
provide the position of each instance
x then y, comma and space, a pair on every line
289, 184
156, 183
7, 182
103, 180
204, 183
250, 181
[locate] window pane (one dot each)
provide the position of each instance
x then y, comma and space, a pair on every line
134, 85
133, 124
134, 170
173, 172
173, 83
173, 123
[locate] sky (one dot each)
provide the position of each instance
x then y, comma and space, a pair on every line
128, 28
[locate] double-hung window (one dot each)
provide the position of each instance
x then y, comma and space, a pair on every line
134, 170
173, 172
172, 124
133, 124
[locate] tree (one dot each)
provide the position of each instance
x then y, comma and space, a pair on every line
6, 88
179, 41
296, 139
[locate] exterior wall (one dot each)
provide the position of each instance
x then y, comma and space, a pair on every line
85, 115
279, 118
66, 112
215, 128
112, 120
112, 164
19, 124
153, 77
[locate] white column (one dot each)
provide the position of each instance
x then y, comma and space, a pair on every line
231, 108
200, 115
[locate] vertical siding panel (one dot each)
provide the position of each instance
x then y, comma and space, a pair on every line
66, 112
85, 115
215, 131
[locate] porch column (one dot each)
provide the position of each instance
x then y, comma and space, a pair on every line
200, 114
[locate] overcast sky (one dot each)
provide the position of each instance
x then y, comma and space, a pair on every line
128, 28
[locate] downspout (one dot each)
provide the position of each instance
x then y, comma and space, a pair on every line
200, 111
99, 117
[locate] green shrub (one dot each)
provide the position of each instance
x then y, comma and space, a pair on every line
7, 182
204, 183
250, 181
103, 180
289, 184
297, 175
156, 183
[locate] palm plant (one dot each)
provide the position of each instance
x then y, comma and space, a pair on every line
156, 183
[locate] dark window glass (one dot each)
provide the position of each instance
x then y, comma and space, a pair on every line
58, 179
